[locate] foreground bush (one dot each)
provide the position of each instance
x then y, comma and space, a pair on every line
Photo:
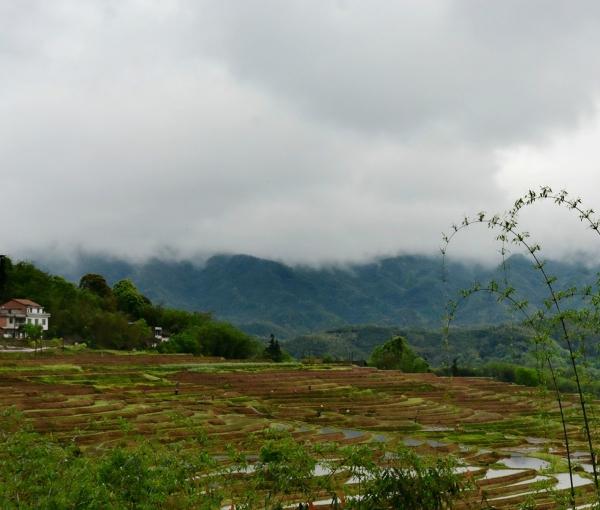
37, 472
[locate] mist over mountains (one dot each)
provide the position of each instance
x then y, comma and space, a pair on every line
263, 296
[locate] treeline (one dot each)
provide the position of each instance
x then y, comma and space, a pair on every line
526, 376
473, 346
120, 317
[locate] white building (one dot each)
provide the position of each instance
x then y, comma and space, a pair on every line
15, 313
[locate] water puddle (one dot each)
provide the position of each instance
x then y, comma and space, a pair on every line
522, 462
564, 483
322, 470
536, 440
467, 469
279, 426
348, 433
537, 478
436, 428
498, 473
352, 434
579, 453
436, 444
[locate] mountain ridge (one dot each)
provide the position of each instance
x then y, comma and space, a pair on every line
263, 296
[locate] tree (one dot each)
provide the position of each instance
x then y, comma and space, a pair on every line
213, 339
5, 268
33, 331
129, 298
396, 354
96, 284
114, 331
273, 350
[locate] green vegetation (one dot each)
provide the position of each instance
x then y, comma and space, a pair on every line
407, 480
472, 346
396, 354
37, 472
33, 331
119, 317
212, 339
262, 296
273, 350
569, 315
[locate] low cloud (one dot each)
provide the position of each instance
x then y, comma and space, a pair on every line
303, 131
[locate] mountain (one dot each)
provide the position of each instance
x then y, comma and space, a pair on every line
263, 296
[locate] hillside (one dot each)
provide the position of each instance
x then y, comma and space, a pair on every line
263, 296
119, 317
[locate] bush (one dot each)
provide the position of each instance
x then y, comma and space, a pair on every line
212, 339
410, 481
36, 472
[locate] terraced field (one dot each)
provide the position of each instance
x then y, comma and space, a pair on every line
508, 437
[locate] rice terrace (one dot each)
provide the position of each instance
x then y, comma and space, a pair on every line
299, 255
506, 438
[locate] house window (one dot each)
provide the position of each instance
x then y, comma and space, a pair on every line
28, 320
44, 322
36, 322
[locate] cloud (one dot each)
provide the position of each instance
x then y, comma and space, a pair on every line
306, 131
569, 161
489, 72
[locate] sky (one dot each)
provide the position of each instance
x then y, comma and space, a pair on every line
307, 131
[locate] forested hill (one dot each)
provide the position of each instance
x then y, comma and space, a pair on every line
263, 296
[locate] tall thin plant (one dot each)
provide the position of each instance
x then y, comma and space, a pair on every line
508, 233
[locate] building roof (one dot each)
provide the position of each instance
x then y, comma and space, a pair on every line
19, 303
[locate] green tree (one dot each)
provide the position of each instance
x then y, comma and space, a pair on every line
129, 298
186, 341
33, 331
113, 330
5, 269
273, 350
223, 339
96, 284
213, 339
396, 354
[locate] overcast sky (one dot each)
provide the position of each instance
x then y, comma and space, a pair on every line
307, 131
